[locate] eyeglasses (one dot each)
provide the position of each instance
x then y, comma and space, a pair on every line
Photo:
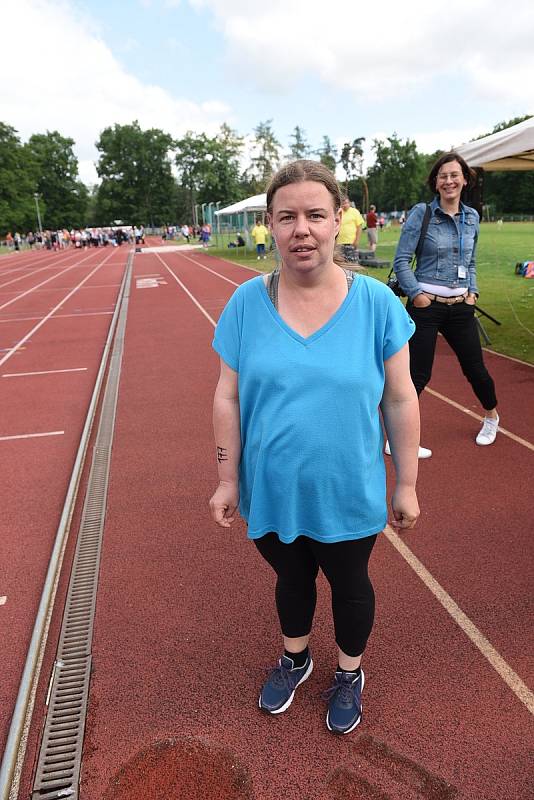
443, 176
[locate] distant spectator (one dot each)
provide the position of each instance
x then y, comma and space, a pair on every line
205, 235
350, 231
259, 234
238, 242
372, 221
185, 232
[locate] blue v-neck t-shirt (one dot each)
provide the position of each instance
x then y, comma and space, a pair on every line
311, 437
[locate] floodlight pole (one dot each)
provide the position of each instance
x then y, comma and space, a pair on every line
203, 217
36, 197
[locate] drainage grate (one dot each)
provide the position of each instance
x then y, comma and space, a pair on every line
59, 762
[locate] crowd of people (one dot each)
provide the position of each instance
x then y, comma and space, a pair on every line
63, 238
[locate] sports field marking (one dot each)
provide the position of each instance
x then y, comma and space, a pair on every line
3, 600
218, 274
47, 372
50, 313
186, 290
470, 413
503, 669
511, 678
60, 316
31, 435
29, 291
510, 358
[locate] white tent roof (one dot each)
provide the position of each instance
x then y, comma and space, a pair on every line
256, 203
511, 149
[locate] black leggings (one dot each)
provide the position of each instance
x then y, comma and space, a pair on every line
344, 565
458, 325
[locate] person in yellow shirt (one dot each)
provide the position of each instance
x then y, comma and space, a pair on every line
350, 231
259, 234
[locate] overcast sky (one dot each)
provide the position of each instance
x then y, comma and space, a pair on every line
439, 73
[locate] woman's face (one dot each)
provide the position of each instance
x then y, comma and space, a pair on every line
304, 225
450, 181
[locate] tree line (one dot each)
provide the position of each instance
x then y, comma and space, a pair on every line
148, 177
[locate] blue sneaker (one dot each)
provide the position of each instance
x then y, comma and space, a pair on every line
345, 702
279, 688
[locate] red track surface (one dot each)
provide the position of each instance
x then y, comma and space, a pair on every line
186, 622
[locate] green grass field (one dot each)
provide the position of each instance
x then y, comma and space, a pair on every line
506, 296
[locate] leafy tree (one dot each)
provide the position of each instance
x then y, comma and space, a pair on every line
397, 176
137, 182
327, 154
64, 196
17, 184
298, 147
352, 162
266, 158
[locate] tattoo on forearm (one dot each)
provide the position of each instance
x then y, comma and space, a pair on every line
222, 454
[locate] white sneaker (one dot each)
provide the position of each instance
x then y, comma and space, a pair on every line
423, 452
488, 432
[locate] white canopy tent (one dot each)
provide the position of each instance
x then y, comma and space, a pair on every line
508, 150
257, 202
237, 215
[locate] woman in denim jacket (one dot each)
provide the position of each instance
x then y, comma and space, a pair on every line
442, 291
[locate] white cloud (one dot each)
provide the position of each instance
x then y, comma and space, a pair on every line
381, 50
65, 78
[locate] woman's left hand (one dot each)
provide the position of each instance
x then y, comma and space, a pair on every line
405, 508
471, 299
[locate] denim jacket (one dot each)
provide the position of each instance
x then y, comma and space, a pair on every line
440, 252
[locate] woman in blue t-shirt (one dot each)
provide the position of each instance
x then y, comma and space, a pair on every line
309, 355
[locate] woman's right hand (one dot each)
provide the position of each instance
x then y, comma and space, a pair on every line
224, 502
421, 301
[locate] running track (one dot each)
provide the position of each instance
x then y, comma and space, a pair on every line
185, 621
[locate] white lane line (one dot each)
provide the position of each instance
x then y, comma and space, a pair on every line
186, 290
31, 435
42, 322
47, 372
60, 316
508, 675
510, 358
511, 678
218, 274
29, 291
470, 413
3, 600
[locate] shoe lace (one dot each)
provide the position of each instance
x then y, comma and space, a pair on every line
281, 677
489, 426
344, 689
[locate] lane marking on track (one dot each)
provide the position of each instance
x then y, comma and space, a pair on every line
498, 663
60, 316
47, 372
511, 678
510, 358
3, 600
213, 272
53, 277
31, 435
470, 413
50, 313
186, 290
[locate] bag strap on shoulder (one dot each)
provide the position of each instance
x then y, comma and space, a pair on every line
424, 228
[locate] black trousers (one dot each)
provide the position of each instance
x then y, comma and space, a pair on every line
458, 325
345, 566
